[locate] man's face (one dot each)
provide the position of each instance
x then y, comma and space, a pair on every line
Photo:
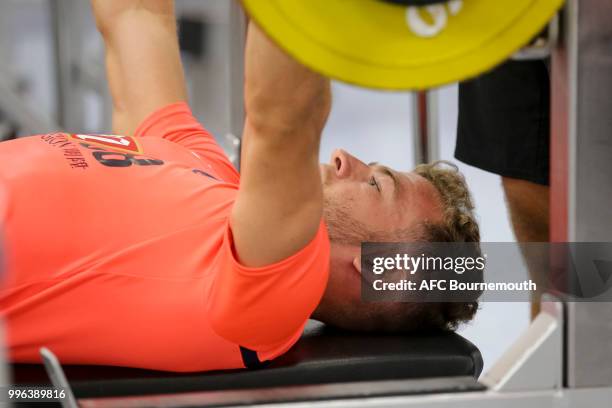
364, 201
374, 197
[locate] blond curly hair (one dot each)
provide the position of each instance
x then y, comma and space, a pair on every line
459, 224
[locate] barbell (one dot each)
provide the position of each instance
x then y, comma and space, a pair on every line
401, 44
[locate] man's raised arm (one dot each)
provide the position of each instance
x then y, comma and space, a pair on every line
142, 58
279, 206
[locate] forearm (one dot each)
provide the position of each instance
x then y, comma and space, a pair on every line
142, 58
282, 95
108, 12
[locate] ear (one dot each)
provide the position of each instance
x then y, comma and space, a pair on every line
357, 263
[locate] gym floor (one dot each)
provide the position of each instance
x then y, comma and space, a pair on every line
373, 125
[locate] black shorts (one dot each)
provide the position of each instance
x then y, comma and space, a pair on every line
504, 121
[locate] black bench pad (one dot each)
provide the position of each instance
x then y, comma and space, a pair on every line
323, 355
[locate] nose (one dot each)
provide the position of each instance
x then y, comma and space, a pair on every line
347, 165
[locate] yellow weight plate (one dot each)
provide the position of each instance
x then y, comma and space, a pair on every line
376, 44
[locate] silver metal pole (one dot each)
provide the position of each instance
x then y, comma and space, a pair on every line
417, 130
68, 44
425, 126
237, 40
581, 189
433, 125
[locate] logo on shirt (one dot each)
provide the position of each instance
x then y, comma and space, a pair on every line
120, 151
71, 152
124, 144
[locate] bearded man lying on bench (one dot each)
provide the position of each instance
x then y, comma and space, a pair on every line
149, 249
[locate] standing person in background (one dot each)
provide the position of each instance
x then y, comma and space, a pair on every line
504, 128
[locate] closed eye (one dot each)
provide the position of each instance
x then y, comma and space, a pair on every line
374, 182
387, 172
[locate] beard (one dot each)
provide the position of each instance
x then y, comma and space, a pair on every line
343, 228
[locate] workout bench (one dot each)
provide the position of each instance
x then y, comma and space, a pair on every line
322, 356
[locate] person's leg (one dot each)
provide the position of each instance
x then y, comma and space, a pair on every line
528, 205
504, 128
